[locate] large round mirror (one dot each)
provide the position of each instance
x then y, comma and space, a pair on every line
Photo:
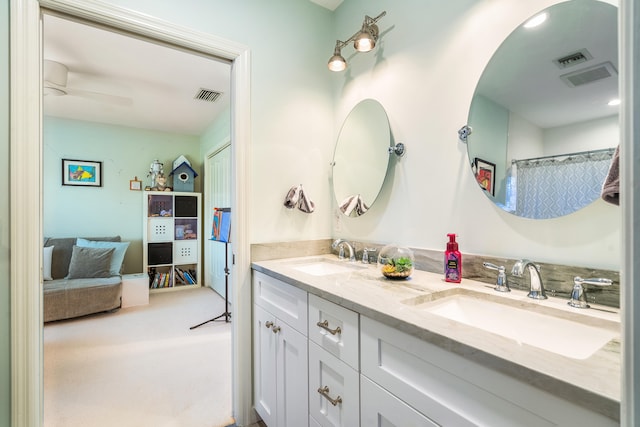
361, 158
544, 114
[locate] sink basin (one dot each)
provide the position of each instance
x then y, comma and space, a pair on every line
325, 267
570, 338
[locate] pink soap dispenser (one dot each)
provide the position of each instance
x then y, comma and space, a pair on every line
452, 261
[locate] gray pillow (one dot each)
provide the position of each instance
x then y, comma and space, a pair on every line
90, 262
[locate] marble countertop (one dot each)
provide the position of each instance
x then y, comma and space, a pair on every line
594, 382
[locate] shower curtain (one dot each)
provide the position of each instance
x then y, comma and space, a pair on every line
554, 186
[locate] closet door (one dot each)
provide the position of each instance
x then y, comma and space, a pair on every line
217, 195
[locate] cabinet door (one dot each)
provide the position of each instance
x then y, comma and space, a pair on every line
382, 409
334, 398
264, 360
292, 377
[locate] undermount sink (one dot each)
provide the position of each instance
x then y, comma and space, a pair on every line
326, 267
569, 338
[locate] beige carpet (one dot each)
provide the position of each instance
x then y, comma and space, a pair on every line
141, 366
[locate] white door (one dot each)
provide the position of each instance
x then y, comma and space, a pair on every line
217, 195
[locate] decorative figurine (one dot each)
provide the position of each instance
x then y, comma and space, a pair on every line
155, 169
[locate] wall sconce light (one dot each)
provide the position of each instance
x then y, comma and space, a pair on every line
363, 41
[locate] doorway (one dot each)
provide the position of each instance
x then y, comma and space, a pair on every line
26, 143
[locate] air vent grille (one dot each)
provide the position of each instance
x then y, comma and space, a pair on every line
573, 59
589, 75
207, 95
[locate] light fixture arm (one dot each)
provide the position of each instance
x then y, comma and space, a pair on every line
368, 26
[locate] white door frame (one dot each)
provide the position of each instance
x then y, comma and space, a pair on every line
26, 193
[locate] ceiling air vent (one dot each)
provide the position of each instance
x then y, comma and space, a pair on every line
575, 58
207, 95
588, 75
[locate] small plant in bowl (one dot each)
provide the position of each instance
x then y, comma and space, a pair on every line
396, 262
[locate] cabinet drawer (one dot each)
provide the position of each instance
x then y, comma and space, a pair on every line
335, 329
185, 252
160, 229
331, 378
284, 301
382, 409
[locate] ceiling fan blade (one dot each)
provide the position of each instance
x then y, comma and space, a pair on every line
100, 97
55, 73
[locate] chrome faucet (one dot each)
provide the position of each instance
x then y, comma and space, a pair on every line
579, 296
537, 288
502, 284
338, 242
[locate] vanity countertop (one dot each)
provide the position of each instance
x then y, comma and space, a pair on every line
594, 382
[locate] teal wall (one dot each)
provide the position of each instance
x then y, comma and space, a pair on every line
5, 346
216, 134
112, 209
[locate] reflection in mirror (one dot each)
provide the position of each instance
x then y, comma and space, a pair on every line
543, 130
361, 158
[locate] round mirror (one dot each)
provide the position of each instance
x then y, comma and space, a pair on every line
361, 158
544, 116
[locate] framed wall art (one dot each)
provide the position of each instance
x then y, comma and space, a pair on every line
82, 173
135, 184
486, 175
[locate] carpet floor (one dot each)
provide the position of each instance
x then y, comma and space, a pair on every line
141, 366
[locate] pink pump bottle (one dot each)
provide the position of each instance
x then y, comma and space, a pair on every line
452, 261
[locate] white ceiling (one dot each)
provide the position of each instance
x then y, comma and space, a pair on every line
161, 81
522, 76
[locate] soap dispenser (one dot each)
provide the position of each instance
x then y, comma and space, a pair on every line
452, 261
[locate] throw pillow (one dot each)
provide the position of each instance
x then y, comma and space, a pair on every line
47, 252
118, 255
90, 262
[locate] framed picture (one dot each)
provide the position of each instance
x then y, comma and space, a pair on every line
83, 173
486, 175
135, 184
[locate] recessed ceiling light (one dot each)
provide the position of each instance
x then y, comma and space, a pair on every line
536, 20
613, 102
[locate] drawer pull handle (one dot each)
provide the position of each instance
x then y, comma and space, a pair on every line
268, 324
325, 325
324, 391
276, 329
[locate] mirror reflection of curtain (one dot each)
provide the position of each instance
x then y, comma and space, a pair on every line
551, 187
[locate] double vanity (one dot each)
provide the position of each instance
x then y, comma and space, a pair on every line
337, 344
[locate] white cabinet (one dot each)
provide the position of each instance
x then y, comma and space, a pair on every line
382, 409
171, 235
334, 398
451, 390
280, 352
335, 329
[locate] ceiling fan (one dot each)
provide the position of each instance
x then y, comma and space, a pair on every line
55, 84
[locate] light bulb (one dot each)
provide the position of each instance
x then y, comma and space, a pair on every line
337, 63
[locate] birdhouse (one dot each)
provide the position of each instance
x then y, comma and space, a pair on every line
183, 177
